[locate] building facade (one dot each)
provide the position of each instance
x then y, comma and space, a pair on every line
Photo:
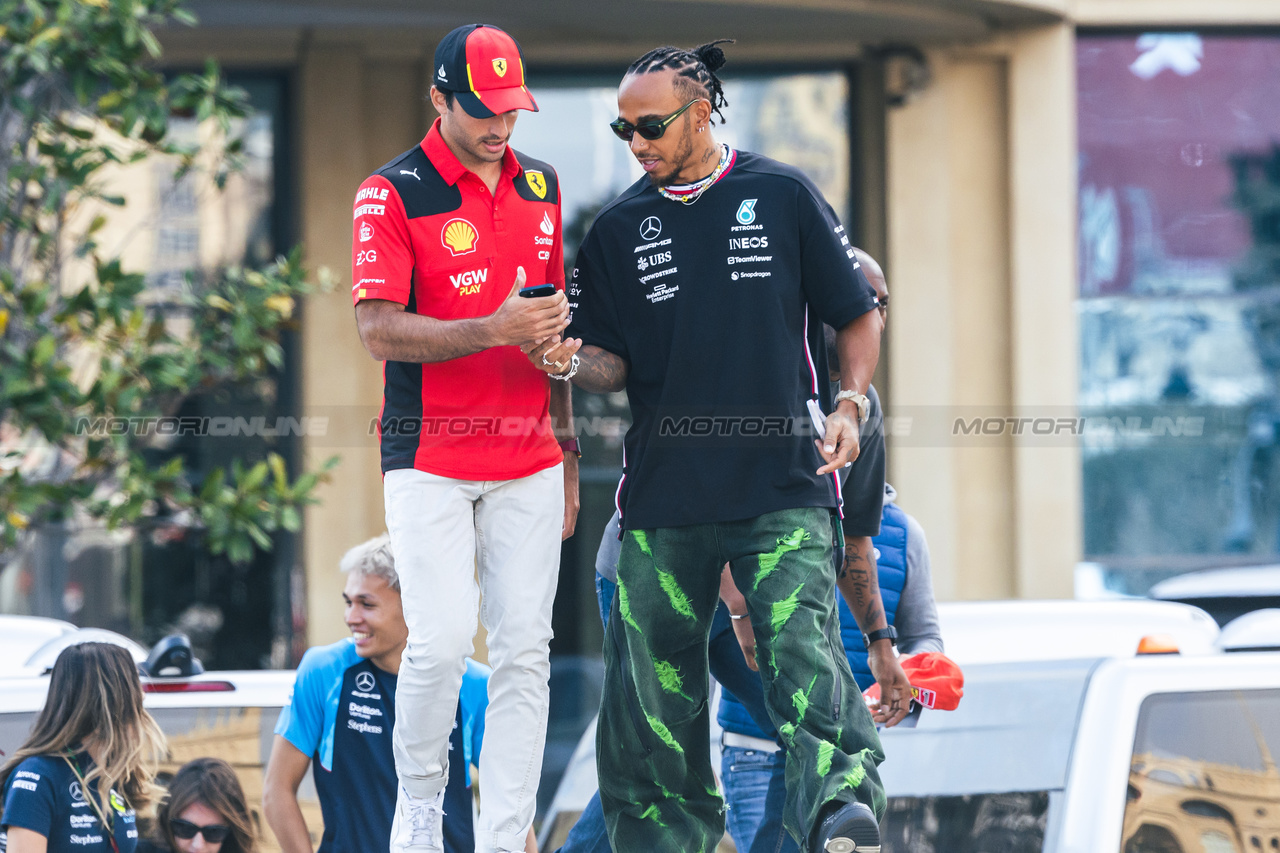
991, 154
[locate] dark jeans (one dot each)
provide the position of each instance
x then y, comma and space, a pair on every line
756, 790
656, 784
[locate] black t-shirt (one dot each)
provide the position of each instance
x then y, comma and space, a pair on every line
718, 307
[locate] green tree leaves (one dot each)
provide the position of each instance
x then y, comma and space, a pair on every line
87, 353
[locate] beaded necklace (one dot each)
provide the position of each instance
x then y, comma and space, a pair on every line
689, 193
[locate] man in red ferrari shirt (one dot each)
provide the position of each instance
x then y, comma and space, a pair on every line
475, 481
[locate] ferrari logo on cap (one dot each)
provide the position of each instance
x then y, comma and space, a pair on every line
500, 67
537, 183
459, 236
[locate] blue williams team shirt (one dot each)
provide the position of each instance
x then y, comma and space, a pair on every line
341, 715
43, 795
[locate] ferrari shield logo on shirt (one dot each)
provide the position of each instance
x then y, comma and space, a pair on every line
747, 211
459, 237
500, 67
537, 183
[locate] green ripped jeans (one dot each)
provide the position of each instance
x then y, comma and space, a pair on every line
652, 744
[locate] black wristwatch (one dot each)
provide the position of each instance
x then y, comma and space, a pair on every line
890, 634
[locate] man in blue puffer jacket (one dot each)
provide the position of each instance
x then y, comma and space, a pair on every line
752, 761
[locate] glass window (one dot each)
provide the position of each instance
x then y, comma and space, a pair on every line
1009, 823
1204, 776
1179, 165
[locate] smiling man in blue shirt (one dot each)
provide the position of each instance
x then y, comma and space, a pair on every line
340, 718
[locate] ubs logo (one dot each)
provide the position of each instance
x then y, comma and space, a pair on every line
651, 228
365, 681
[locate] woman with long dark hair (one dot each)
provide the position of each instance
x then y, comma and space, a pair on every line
88, 765
204, 812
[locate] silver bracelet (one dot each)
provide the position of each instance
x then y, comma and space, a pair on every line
573, 368
739, 615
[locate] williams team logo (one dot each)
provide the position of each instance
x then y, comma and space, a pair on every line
747, 211
366, 232
364, 681
537, 183
651, 228
500, 67
459, 237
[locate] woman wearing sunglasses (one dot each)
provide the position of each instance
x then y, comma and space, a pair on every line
89, 761
205, 812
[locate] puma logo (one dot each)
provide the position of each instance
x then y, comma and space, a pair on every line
414, 172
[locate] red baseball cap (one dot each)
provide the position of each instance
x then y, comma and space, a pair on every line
483, 67
936, 681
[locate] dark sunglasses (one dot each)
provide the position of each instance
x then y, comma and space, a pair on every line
214, 833
647, 129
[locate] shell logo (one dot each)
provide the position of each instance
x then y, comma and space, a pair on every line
459, 237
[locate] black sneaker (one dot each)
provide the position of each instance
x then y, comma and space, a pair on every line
847, 828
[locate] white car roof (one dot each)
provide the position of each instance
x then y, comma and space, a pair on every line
1242, 582
20, 636
1253, 631
1015, 727
1012, 631
254, 688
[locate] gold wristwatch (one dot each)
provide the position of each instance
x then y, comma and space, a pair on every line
859, 400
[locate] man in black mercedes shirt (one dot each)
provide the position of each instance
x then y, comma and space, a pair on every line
702, 291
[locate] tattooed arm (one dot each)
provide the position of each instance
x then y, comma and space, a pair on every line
859, 583
599, 370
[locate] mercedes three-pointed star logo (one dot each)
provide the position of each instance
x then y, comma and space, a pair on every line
651, 228
364, 681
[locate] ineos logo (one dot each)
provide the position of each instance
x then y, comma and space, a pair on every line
651, 228
364, 681
76, 794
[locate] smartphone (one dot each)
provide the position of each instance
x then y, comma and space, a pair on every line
529, 291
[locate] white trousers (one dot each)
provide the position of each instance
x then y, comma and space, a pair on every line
443, 533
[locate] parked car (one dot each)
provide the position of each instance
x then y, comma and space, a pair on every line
1224, 594
229, 715
1068, 740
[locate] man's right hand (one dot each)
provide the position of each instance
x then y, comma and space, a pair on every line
524, 322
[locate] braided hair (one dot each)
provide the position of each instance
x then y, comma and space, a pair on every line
695, 70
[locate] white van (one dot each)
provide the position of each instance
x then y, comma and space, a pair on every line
1069, 741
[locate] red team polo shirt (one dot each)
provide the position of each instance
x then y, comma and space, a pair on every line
430, 236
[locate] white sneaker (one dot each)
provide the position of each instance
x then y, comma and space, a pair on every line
418, 823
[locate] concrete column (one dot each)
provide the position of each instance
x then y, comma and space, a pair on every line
949, 280
1046, 337
981, 252
338, 377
